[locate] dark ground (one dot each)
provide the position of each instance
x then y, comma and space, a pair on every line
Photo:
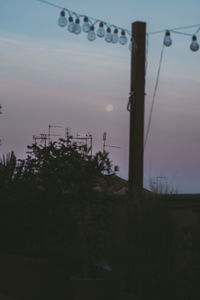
153, 249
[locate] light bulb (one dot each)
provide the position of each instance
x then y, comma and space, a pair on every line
71, 26
62, 21
86, 24
91, 34
167, 39
101, 30
77, 29
108, 36
115, 37
123, 39
194, 46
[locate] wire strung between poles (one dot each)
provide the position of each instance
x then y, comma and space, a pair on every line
154, 96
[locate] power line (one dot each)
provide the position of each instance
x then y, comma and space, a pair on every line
51, 4
154, 96
182, 33
198, 29
175, 29
186, 27
147, 52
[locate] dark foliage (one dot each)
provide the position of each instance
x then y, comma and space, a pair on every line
48, 205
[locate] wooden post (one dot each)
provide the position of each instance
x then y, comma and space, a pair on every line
136, 139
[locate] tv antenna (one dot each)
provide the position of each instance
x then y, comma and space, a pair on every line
104, 142
67, 135
84, 137
42, 138
160, 182
49, 132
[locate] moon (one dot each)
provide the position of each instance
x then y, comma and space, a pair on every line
109, 107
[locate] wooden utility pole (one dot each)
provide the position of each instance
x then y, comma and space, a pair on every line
136, 106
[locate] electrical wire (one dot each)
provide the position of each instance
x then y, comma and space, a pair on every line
157, 32
197, 30
51, 4
186, 27
154, 96
182, 33
177, 28
146, 53
171, 30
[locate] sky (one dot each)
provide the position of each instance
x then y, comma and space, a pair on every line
51, 76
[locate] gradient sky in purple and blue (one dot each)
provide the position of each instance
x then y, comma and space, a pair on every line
48, 75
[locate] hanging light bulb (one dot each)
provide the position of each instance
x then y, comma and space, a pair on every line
194, 46
108, 36
115, 37
123, 39
86, 24
91, 34
101, 30
77, 29
71, 26
62, 21
167, 39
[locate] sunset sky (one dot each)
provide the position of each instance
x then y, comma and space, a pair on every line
48, 75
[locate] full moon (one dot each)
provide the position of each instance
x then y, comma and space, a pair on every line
109, 107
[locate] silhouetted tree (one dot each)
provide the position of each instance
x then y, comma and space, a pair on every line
8, 165
64, 166
45, 191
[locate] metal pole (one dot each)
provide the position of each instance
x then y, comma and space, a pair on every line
104, 141
49, 134
136, 138
91, 143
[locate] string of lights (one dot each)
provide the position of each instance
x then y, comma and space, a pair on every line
110, 31
194, 46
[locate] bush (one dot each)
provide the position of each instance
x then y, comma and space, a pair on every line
47, 198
